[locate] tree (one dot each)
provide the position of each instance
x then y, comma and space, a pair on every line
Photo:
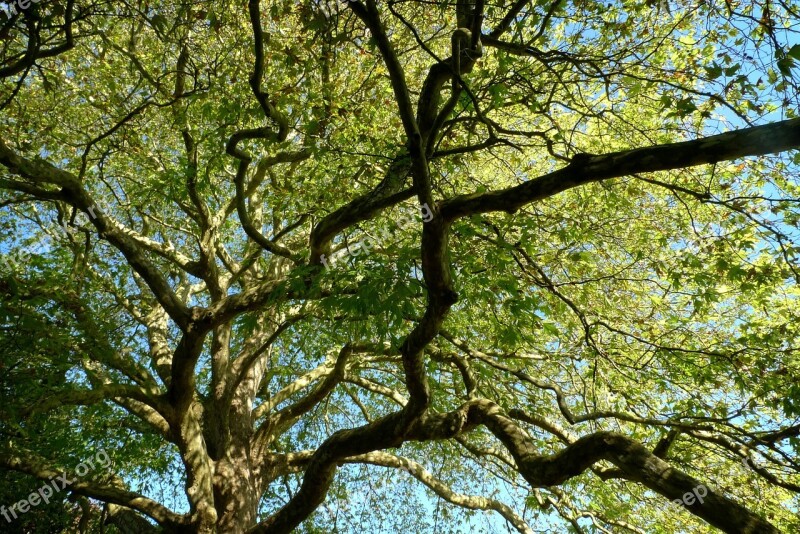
291, 263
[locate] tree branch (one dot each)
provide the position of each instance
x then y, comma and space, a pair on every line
42, 172
27, 462
472, 502
755, 141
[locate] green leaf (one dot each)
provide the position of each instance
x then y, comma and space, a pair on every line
785, 65
714, 71
730, 71
684, 107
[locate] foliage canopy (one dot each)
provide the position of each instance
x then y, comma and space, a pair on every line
377, 265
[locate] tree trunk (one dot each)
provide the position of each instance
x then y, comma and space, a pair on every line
235, 492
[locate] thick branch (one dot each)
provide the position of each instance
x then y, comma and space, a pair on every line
755, 141
94, 396
332, 378
636, 462
380, 434
128, 521
370, 16
33, 51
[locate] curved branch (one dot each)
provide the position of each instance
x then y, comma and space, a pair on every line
33, 50
508, 19
333, 375
380, 434
636, 462
378, 389
128, 521
472, 502
244, 214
